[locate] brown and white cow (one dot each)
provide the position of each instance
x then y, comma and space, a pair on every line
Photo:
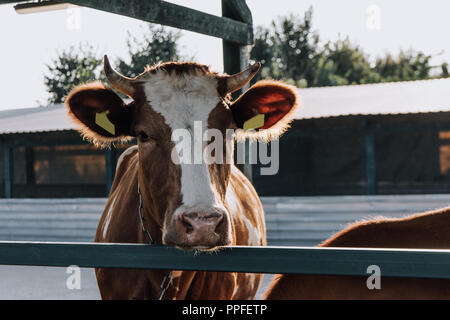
190, 206
430, 230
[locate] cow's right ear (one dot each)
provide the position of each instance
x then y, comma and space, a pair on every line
102, 115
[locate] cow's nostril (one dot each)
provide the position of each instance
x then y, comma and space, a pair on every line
187, 225
219, 225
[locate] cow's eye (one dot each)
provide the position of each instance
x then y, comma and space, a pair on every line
143, 136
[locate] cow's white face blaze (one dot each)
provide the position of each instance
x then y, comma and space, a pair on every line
186, 200
186, 102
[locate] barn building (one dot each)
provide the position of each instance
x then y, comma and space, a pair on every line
43, 156
389, 138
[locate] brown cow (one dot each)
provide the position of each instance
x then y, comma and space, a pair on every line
430, 230
191, 206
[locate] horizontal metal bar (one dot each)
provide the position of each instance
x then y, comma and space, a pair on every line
239, 10
169, 14
37, 7
373, 128
11, 1
296, 260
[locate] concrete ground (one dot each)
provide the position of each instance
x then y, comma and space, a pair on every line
44, 283
49, 283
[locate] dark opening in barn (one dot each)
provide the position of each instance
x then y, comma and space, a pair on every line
390, 138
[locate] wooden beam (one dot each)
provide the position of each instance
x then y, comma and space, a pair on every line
419, 263
29, 165
8, 171
11, 1
371, 164
235, 59
169, 14
239, 10
371, 180
325, 130
110, 167
235, 55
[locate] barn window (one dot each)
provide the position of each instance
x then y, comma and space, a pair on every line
79, 164
444, 152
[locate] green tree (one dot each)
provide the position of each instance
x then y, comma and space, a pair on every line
156, 45
444, 70
290, 50
408, 65
81, 64
297, 47
343, 63
263, 52
72, 67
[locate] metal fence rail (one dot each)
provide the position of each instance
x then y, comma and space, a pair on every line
301, 260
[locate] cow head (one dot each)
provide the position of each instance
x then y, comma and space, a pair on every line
186, 199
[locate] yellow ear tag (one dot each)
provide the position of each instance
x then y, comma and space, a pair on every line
102, 120
255, 122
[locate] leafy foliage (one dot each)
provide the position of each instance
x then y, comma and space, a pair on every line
157, 45
72, 67
78, 65
406, 66
291, 50
288, 50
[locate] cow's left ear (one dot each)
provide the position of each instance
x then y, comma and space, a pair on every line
265, 110
102, 115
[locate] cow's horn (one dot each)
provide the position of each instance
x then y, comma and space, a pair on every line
238, 80
118, 81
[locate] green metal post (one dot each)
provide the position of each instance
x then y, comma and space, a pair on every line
371, 178
29, 165
420, 263
8, 170
110, 167
236, 57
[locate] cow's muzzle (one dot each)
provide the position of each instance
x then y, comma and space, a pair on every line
200, 228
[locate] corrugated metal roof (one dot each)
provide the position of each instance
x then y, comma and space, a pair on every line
51, 118
420, 96
372, 99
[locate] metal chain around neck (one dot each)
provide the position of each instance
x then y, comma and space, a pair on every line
141, 217
167, 280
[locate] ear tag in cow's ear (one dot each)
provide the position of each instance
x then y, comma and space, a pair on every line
254, 122
102, 120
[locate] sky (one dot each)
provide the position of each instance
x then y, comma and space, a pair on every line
29, 42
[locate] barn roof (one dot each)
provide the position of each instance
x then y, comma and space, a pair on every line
422, 96
41, 119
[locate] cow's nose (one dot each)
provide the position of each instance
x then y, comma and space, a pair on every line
202, 228
201, 221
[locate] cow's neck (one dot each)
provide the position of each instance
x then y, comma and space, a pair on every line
152, 217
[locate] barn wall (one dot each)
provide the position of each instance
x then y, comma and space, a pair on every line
2, 176
309, 166
409, 163
55, 165
328, 156
317, 157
